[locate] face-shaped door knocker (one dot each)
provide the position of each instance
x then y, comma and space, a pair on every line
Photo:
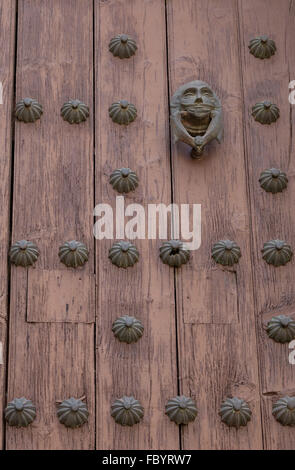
196, 116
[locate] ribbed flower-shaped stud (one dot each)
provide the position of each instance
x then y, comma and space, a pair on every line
262, 47
235, 412
122, 46
127, 329
181, 409
127, 411
277, 252
226, 252
273, 180
122, 112
74, 111
123, 254
284, 411
124, 180
28, 110
281, 329
24, 253
73, 254
20, 412
265, 112
72, 412
174, 253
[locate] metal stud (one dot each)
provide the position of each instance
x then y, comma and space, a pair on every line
181, 409
73, 254
273, 180
72, 412
235, 412
28, 110
127, 411
265, 112
174, 253
277, 252
74, 111
122, 112
124, 180
122, 46
20, 412
281, 329
226, 252
127, 329
123, 254
284, 411
262, 47
24, 253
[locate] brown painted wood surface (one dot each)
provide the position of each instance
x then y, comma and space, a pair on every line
204, 325
7, 40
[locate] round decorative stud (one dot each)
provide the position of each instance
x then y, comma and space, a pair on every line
74, 111
123, 254
273, 180
226, 252
277, 252
72, 412
73, 254
174, 253
122, 46
28, 110
284, 411
235, 412
20, 412
181, 409
24, 253
262, 47
122, 112
127, 329
124, 180
127, 411
265, 112
281, 329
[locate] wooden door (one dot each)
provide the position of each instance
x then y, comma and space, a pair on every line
204, 324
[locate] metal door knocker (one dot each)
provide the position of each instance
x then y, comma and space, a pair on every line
196, 116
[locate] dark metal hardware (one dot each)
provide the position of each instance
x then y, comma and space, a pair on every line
262, 47
127, 411
196, 116
181, 409
122, 46
28, 110
73, 254
20, 412
74, 111
265, 112
174, 253
122, 112
72, 412
123, 254
24, 253
124, 180
277, 252
273, 180
281, 329
226, 252
284, 411
127, 329
235, 412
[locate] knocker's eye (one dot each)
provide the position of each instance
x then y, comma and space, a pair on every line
206, 92
189, 93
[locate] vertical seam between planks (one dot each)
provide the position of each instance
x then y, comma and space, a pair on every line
10, 221
172, 200
248, 191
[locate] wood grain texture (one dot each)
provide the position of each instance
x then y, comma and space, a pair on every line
272, 215
7, 39
146, 369
217, 353
52, 203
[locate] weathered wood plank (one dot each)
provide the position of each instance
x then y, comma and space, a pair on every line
272, 215
7, 40
146, 369
218, 355
52, 203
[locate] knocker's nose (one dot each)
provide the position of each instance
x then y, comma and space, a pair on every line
199, 99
